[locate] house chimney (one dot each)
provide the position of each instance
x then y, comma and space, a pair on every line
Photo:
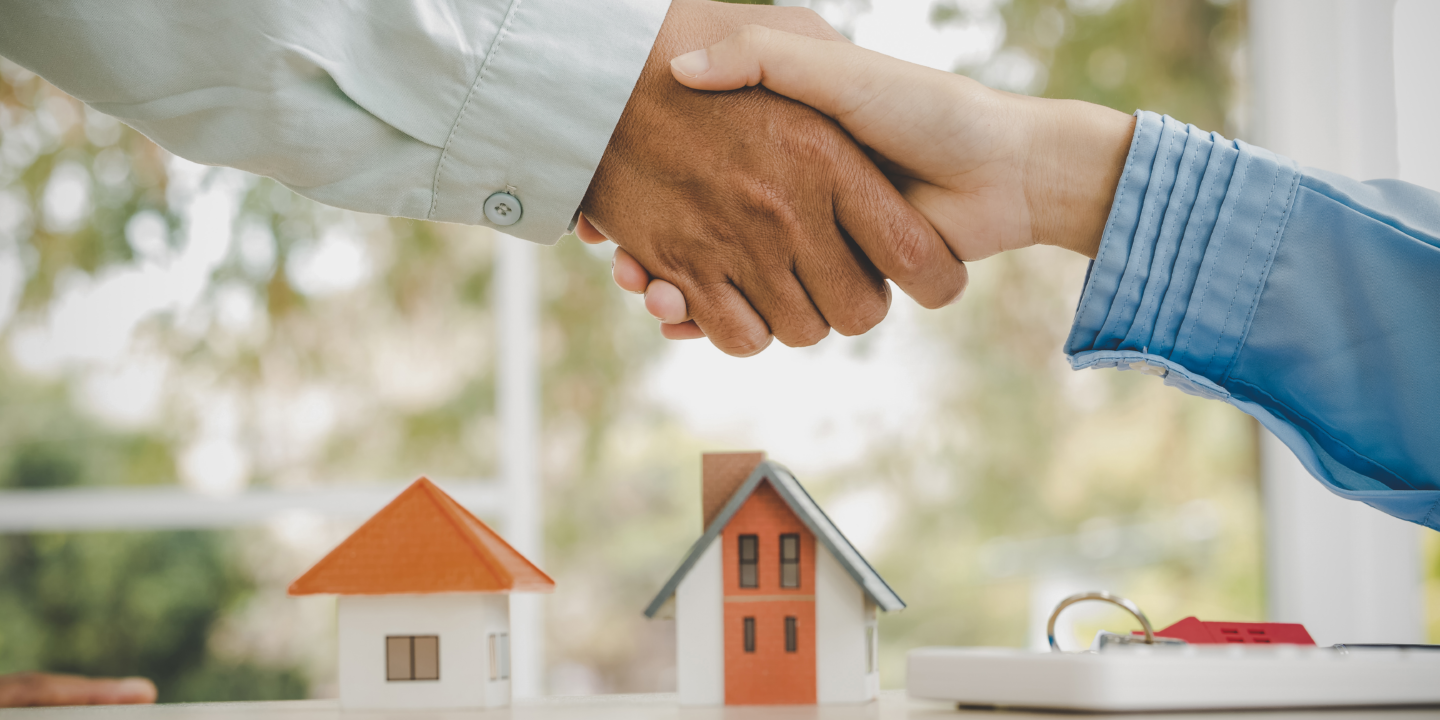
721, 474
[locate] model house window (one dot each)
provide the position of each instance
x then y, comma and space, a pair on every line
499, 656
749, 634
791, 641
412, 657
789, 561
749, 560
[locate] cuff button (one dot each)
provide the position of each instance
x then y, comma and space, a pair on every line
503, 209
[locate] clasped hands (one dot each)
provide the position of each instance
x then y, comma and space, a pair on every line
743, 215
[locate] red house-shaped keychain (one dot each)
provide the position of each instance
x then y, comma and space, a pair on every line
1199, 632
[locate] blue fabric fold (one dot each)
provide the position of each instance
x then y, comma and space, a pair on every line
1308, 300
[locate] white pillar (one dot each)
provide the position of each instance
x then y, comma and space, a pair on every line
1323, 88
1417, 90
1349, 573
1324, 94
517, 378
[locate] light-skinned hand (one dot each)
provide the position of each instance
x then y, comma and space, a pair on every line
991, 171
762, 211
32, 689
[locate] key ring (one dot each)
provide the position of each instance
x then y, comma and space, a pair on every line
1131, 607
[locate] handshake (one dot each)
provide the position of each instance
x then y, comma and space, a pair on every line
743, 216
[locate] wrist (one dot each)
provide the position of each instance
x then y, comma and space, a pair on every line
1076, 156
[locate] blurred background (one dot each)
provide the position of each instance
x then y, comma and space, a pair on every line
206, 381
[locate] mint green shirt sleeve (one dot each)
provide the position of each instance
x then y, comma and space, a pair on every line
411, 108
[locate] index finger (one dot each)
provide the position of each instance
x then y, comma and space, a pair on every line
43, 689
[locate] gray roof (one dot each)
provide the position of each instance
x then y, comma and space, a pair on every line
809, 513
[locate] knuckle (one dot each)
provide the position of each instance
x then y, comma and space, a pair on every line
864, 315
743, 343
809, 335
673, 263
773, 208
940, 294
817, 137
956, 289
750, 37
909, 255
944, 283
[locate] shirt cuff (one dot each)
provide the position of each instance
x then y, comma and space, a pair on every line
541, 111
1186, 251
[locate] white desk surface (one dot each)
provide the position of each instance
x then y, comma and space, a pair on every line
893, 705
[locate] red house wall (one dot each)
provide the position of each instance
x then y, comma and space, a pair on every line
768, 676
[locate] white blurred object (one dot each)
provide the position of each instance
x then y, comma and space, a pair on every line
1417, 91
864, 516
1323, 74
215, 461
93, 318
785, 399
1131, 678
67, 198
572, 679
337, 262
517, 380
904, 28
169, 507
127, 393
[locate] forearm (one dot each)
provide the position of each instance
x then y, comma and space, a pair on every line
1305, 299
417, 108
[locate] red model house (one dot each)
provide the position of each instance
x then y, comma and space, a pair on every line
772, 604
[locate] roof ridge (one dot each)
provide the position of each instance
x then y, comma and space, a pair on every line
464, 513
776, 474
843, 537
422, 541
439, 497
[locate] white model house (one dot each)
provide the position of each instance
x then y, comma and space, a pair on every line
424, 607
772, 604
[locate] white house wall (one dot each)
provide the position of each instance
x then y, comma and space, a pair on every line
842, 613
462, 621
700, 631
498, 619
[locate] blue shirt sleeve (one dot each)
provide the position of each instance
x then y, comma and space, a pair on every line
1308, 300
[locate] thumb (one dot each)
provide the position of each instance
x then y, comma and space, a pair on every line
831, 76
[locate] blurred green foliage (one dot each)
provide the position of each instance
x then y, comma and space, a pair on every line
128, 603
155, 603
99, 603
115, 603
1177, 57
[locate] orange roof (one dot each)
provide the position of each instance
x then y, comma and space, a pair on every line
422, 542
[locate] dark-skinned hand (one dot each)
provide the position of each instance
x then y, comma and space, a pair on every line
765, 214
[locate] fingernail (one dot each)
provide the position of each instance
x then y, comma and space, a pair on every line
136, 690
692, 64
